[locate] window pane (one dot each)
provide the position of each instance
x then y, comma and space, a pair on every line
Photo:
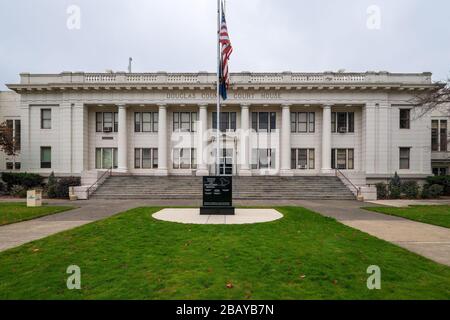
341, 158
263, 121
17, 135
146, 158
312, 122
193, 158
404, 118
273, 121
146, 122
155, 158
115, 158
176, 121
224, 121
302, 158
214, 120
185, 158
293, 122
98, 158
46, 157
435, 135
342, 122
233, 121
311, 158
185, 122
137, 158
176, 158
404, 158
137, 122
255, 121
272, 158
107, 161
107, 121
333, 158
293, 158
351, 159
116, 121
303, 122
333, 122
155, 121
193, 122
351, 122
443, 132
254, 158
263, 159
46, 118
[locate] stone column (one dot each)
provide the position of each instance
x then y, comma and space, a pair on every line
285, 142
202, 141
122, 152
245, 141
326, 139
162, 141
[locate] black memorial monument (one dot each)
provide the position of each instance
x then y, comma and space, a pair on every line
217, 196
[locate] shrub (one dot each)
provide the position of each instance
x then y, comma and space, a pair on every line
395, 185
442, 181
26, 180
382, 191
436, 191
2, 188
63, 184
432, 192
18, 191
51, 186
410, 189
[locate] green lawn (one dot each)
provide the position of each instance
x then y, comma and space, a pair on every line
17, 211
437, 215
302, 256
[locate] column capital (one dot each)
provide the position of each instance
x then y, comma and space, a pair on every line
245, 105
286, 105
122, 105
203, 106
327, 106
162, 105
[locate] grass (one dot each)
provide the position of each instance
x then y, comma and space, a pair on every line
18, 211
437, 215
302, 256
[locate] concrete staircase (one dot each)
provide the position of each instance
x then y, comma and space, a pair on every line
244, 188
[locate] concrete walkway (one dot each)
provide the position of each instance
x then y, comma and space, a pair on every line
407, 203
430, 241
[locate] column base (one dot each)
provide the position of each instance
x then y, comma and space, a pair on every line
245, 173
162, 173
286, 173
327, 171
202, 173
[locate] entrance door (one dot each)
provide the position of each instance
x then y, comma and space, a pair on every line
226, 162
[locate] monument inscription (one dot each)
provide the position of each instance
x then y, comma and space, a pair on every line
217, 196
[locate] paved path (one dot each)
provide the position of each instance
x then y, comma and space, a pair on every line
430, 241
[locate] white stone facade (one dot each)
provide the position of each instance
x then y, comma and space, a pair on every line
368, 147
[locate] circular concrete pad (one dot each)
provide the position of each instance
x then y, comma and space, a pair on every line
242, 216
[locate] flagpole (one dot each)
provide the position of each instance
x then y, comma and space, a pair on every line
218, 91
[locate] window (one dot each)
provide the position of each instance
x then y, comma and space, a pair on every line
343, 159
185, 121
227, 121
9, 166
106, 122
303, 122
343, 122
440, 171
405, 118
302, 159
185, 158
46, 157
17, 135
264, 121
106, 158
439, 140
145, 158
263, 158
404, 158
17, 165
46, 118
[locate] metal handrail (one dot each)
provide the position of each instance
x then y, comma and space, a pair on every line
107, 172
358, 189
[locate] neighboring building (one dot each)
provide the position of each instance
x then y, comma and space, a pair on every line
273, 124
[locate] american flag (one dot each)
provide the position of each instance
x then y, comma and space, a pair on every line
227, 49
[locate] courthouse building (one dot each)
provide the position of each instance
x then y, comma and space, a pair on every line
287, 124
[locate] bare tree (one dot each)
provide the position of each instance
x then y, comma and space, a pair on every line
436, 98
7, 140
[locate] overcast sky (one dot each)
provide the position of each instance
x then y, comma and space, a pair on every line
267, 35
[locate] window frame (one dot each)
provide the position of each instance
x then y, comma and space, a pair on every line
349, 158
229, 126
406, 125
45, 120
178, 122
271, 121
349, 122
408, 158
178, 155
46, 164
